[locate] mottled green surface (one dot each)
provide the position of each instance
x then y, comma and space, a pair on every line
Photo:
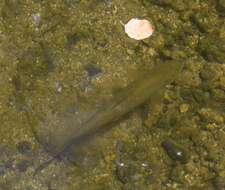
46, 49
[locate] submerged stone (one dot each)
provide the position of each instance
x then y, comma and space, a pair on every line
24, 147
126, 173
175, 151
92, 70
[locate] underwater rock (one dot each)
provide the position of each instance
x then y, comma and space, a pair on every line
175, 151
92, 70
127, 172
24, 147
72, 39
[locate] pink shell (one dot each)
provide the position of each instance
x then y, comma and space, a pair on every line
139, 29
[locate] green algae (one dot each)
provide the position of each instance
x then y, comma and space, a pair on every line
36, 59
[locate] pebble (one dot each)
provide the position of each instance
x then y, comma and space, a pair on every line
92, 70
124, 172
129, 171
24, 147
175, 151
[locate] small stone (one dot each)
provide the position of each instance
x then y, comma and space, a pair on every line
24, 147
92, 70
175, 151
125, 172
73, 39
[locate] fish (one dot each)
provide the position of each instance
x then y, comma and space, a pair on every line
62, 132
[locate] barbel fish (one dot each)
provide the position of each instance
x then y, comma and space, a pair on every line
63, 132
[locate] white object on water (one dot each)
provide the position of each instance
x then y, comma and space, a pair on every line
139, 29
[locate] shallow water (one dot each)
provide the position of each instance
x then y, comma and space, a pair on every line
59, 59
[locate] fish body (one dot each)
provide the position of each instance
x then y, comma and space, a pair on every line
63, 132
